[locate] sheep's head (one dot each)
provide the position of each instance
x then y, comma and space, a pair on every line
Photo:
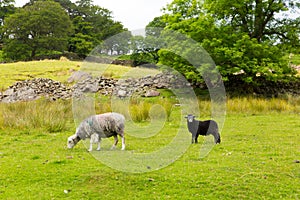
72, 141
190, 117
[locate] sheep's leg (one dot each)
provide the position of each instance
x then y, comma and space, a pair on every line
91, 144
123, 142
217, 138
193, 140
99, 147
116, 142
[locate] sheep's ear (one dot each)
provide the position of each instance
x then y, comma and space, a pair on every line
186, 117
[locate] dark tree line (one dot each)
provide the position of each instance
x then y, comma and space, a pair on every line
46, 27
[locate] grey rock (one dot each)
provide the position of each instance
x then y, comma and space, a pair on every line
26, 94
122, 93
152, 93
92, 88
78, 76
8, 92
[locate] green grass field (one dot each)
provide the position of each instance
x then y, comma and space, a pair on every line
257, 159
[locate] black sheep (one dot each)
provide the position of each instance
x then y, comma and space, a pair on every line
202, 128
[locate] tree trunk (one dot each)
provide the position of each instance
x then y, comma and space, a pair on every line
258, 21
33, 53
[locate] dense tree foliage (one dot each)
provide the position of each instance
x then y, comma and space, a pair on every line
93, 24
41, 28
247, 37
6, 8
90, 25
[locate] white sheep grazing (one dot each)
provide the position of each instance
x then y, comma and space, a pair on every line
100, 126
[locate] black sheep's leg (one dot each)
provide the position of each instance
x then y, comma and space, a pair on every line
193, 139
196, 139
218, 139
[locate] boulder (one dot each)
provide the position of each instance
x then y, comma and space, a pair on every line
26, 94
8, 92
90, 88
122, 93
152, 93
78, 76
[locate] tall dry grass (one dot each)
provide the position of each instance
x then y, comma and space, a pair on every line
137, 109
40, 114
57, 116
252, 105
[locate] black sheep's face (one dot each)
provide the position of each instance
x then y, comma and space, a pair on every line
190, 118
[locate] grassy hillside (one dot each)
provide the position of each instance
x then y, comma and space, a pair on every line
58, 70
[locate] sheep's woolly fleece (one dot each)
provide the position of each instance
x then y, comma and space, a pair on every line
106, 125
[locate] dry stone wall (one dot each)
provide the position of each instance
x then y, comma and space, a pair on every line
41, 87
147, 86
34, 89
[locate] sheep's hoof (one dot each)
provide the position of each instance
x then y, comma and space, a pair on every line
113, 148
89, 150
123, 149
98, 149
